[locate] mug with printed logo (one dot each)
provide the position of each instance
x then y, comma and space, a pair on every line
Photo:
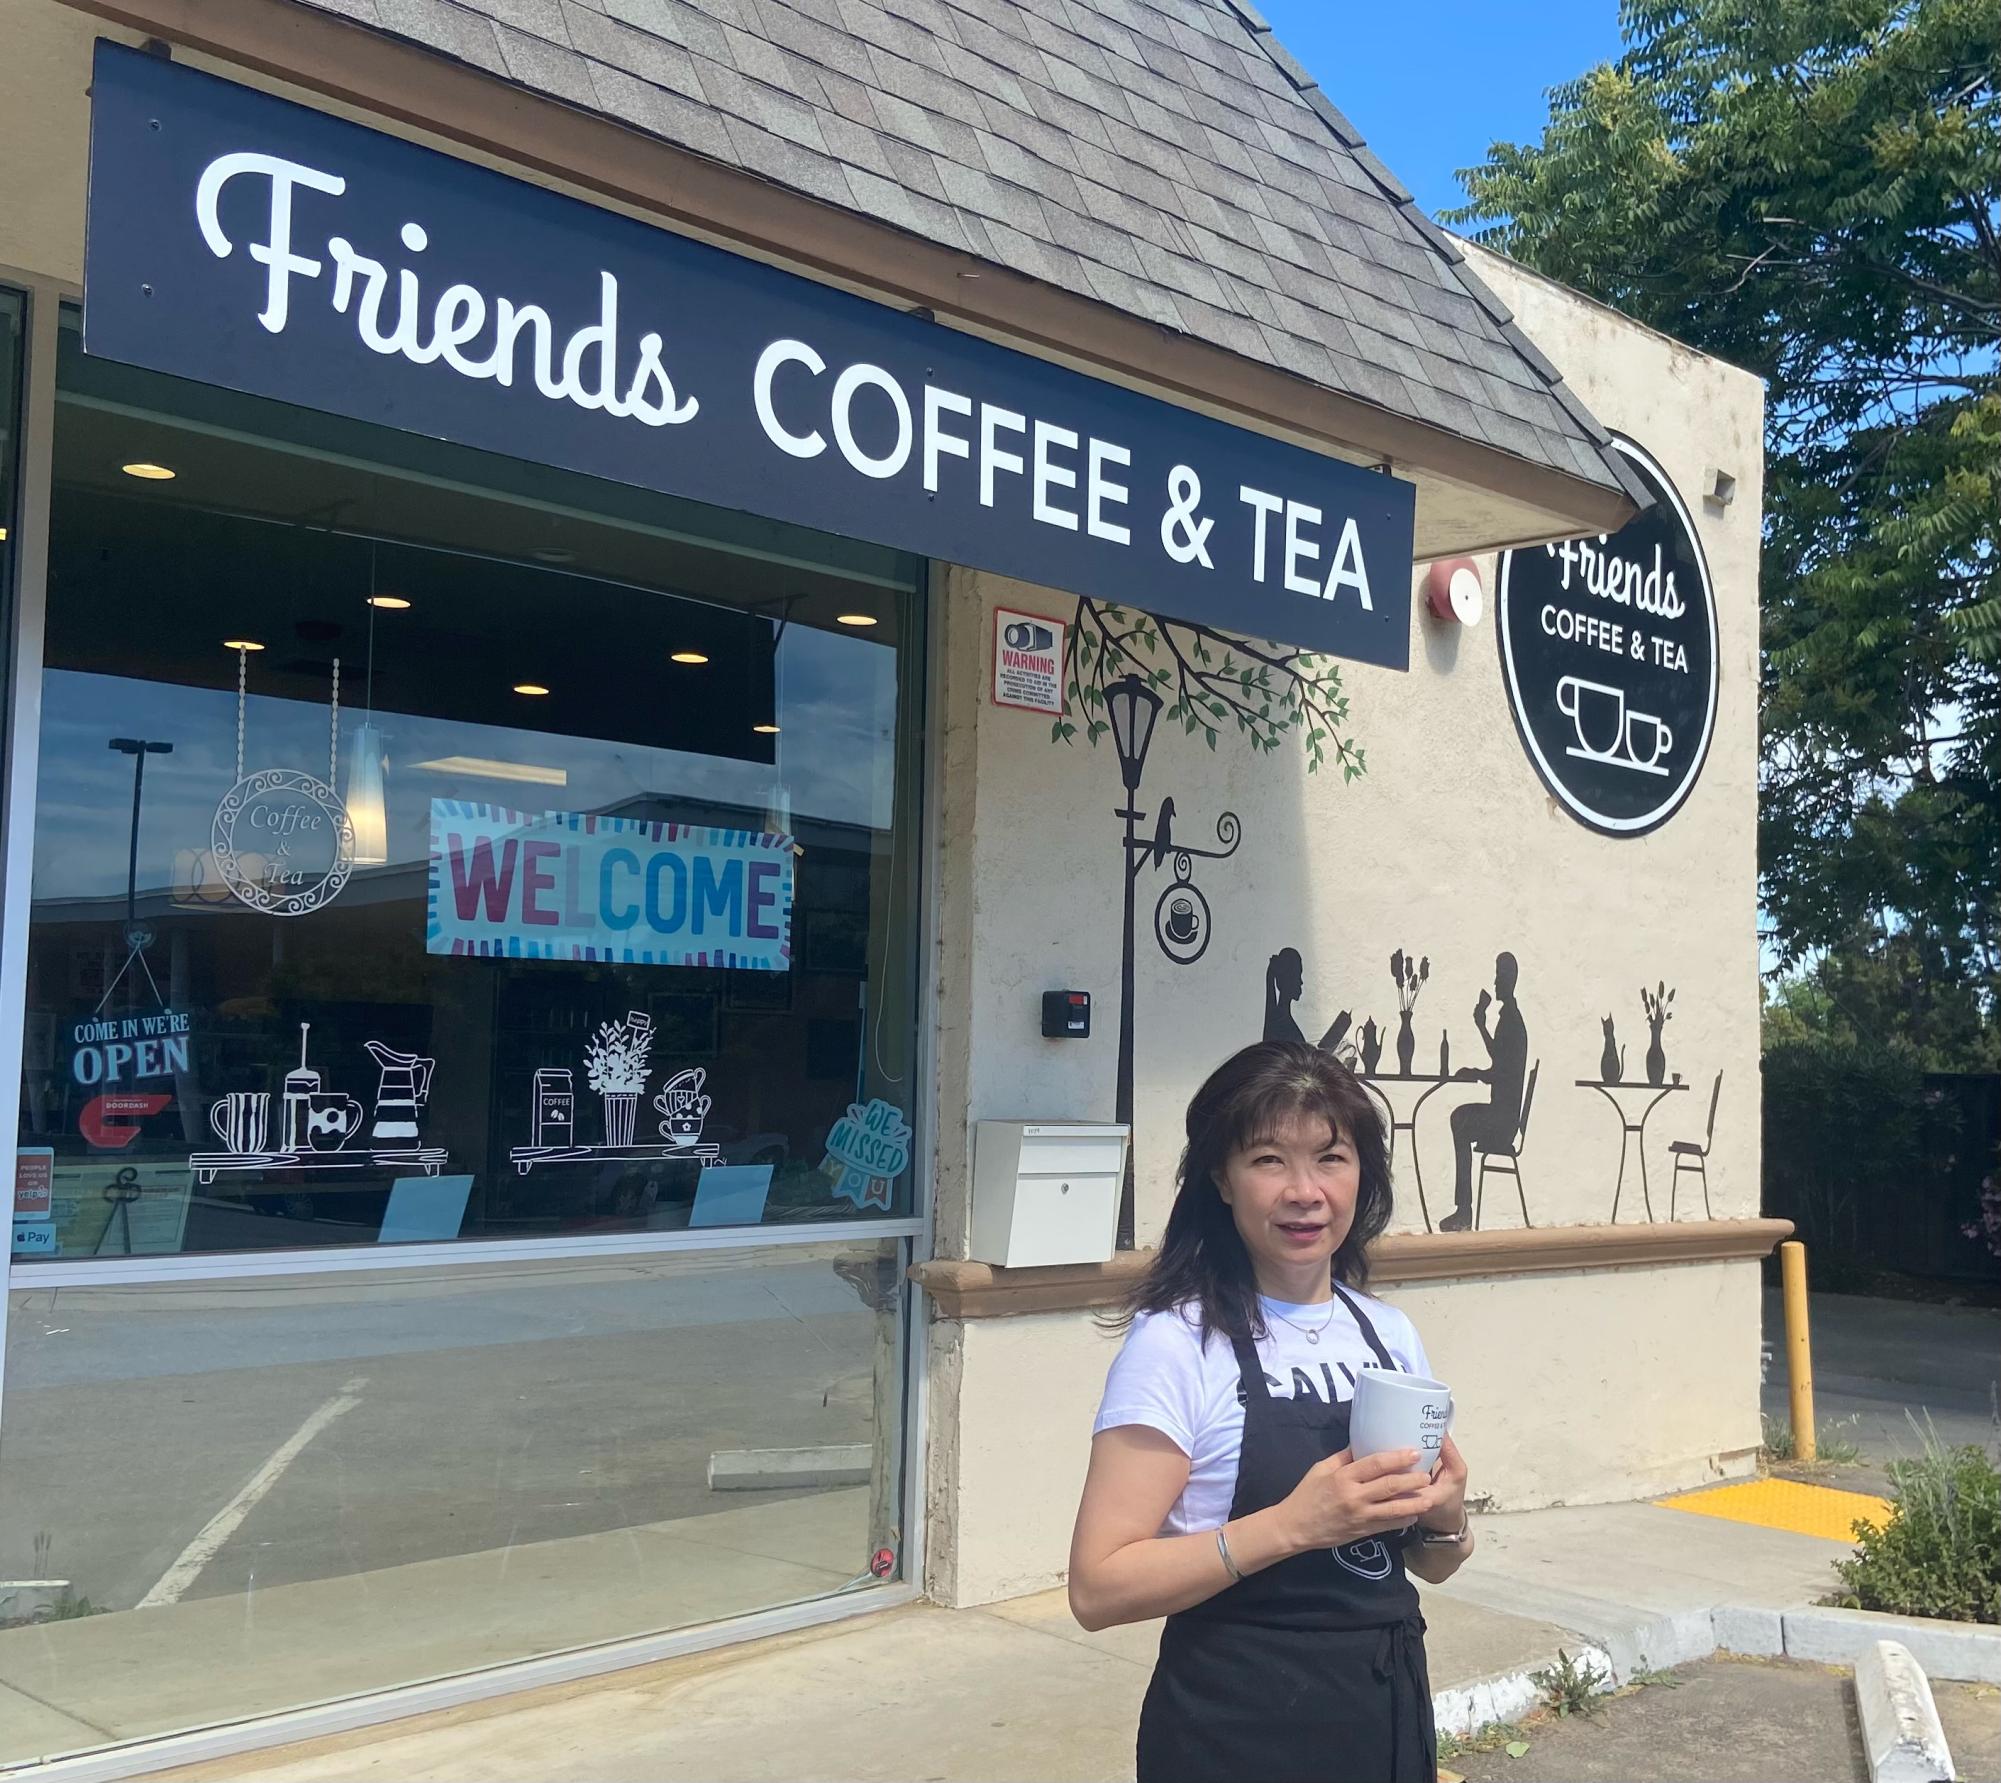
1394, 1410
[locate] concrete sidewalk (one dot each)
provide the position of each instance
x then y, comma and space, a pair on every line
1017, 1690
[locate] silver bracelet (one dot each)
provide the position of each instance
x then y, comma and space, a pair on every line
1223, 1548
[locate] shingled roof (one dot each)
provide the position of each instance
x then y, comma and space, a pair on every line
1165, 157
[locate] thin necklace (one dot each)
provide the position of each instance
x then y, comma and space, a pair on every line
1310, 1332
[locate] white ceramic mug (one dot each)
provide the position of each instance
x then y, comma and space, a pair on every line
1394, 1410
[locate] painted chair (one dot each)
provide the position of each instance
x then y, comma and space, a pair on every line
1507, 1159
1692, 1157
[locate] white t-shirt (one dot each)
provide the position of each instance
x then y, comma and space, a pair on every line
1166, 1378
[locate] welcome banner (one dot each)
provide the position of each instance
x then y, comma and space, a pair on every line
568, 885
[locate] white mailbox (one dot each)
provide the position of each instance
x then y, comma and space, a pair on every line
1046, 1191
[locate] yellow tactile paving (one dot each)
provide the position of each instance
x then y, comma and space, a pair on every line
1786, 1504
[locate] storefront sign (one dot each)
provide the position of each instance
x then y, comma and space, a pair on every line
1028, 661
120, 1048
1608, 648
242, 240
283, 842
563, 885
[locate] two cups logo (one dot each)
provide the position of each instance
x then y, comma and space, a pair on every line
867, 1151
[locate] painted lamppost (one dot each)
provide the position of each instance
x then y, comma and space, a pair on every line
1181, 919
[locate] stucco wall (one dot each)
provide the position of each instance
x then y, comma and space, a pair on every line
1450, 848
1580, 1389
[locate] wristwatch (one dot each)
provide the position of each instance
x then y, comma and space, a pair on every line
1432, 1538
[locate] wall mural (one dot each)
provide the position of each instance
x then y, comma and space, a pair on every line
1123, 672
1490, 1132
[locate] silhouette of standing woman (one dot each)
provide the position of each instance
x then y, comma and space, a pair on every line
1285, 984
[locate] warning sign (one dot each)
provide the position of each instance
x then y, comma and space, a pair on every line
1028, 662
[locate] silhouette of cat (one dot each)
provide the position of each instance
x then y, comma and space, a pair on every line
1612, 1062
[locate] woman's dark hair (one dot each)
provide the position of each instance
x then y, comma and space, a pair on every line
1202, 1264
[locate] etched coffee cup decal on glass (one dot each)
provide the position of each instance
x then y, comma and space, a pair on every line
242, 1121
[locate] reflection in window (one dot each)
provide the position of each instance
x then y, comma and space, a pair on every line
430, 845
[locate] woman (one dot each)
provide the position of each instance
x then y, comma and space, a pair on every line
1221, 1491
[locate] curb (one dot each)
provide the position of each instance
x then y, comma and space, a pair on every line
1461, 1709
1966, 1651
1956, 1650
1900, 1726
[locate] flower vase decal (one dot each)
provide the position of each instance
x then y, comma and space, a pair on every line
1410, 978
1372, 1047
615, 1062
1657, 1004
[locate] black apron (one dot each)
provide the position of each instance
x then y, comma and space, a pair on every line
1312, 1670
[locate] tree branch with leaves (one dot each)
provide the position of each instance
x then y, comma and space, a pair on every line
1210, 682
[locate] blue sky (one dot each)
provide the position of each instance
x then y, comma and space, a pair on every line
1431, 83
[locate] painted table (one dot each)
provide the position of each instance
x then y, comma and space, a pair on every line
1426, 1085
1625, 1098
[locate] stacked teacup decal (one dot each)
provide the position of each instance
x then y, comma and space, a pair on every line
684, 1107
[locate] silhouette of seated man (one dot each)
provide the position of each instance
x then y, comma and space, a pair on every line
1490, 1125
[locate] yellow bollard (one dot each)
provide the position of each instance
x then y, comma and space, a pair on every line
1799, 1346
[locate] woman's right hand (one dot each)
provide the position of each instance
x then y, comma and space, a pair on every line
1342, 1500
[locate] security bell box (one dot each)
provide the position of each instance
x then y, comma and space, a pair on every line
1066, 1015
1046, 1191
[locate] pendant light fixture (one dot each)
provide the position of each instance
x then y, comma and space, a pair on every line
367, 797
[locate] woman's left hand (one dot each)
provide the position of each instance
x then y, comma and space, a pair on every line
1449, 1483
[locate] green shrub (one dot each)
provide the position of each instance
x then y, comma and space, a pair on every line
1940, 1552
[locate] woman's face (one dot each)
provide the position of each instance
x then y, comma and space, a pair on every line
1292, 1194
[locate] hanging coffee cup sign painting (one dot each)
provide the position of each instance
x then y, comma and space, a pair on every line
1608, 649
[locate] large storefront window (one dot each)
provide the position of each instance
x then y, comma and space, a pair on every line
434, 846
226, 1501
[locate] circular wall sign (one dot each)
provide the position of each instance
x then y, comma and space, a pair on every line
284, 842
1608, 649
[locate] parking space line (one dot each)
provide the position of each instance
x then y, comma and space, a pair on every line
225, 1523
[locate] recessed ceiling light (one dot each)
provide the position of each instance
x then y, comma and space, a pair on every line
392, 603
151, 473
532, 689
691, 657
855, 619
241, 644
765, 730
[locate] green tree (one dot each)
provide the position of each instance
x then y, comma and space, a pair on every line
1812, 189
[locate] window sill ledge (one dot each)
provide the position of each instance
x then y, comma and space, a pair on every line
961, 1289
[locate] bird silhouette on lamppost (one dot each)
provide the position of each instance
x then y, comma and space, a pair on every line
1181, 919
